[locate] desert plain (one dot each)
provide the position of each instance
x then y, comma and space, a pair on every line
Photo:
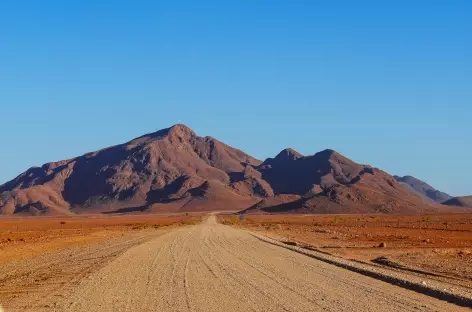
213, 260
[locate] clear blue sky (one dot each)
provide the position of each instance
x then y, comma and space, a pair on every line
386, 83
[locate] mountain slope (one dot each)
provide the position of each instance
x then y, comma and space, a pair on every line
465, 201
423, 189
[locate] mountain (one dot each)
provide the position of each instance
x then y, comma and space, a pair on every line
328, 182
465, 201
175, 170
171, 166
423, 189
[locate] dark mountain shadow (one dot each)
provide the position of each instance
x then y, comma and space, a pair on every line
91, 173
294, 205
163, 195
127, 210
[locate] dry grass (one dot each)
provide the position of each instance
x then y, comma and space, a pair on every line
229, 220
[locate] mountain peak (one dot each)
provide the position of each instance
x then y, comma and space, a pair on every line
328, 152
288, 154
179, 133
175, 131
180, 129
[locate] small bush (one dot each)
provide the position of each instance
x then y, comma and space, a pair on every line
230, 221
189, 222
139, 226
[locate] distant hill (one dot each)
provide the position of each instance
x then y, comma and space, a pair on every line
424, 189
175, 170
328, 182
465, 201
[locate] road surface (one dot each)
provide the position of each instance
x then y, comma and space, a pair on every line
213, 267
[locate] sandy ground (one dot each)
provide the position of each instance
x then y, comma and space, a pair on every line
207, 267
22, 238
37, 283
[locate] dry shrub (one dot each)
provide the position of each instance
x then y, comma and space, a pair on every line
230, 221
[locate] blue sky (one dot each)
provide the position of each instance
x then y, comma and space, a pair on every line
386, 83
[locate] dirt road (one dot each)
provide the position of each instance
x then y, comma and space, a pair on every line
212, 267
208, 267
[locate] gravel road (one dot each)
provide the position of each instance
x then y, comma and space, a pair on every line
212, 267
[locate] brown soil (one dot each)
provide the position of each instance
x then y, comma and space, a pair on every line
25, 238
432, 244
